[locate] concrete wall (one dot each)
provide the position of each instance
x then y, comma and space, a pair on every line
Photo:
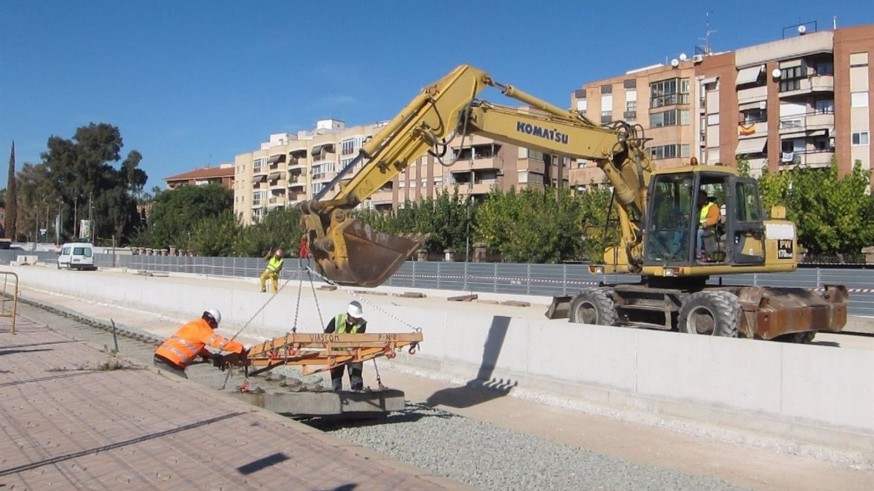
759, 385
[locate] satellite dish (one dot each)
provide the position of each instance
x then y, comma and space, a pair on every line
683, 56
776, 73
802, 29
675, 63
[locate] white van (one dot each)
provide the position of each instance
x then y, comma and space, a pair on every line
76, 255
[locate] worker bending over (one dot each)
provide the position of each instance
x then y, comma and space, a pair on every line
274, 266
349, 322
190, 341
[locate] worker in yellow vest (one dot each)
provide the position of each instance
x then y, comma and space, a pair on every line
349, 322
708, 218
274, 266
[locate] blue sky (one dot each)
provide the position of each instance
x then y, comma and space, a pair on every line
194, 83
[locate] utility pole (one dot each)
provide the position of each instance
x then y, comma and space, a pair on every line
90, 217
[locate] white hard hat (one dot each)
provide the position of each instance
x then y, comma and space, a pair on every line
355, 310
215, 314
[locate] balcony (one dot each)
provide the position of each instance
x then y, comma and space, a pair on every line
752, 130
461, 166
810, 158
806, 125
381, 198
821, 121
754, 94
532, 165
816, 83
479, 187
296, 181
822, 83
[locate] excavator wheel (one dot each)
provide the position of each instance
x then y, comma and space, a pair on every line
712, 313
592, 306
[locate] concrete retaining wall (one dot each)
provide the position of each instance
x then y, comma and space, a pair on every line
761, 385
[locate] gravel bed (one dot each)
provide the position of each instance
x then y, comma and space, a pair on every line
490, 457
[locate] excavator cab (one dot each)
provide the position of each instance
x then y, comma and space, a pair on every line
680, 201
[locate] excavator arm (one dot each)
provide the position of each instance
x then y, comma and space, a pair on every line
348, 251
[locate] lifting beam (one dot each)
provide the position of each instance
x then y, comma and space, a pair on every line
316, 352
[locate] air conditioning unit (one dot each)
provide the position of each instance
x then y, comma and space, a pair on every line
697, 58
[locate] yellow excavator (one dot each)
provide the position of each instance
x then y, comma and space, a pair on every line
661, 238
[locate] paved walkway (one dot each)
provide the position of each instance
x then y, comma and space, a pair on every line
71, 417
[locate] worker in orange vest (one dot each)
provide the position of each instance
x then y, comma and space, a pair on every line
190, 341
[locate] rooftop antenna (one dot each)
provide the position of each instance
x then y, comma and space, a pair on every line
706, 50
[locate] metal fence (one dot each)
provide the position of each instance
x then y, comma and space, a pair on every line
508, 278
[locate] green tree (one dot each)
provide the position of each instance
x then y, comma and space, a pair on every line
596, 234
216, 236
830, 212
12, 192
175, 214
34, 199
540, 226
279, 228
83, 173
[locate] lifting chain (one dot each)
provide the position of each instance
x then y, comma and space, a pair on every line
369, 303
378, 378
263, 306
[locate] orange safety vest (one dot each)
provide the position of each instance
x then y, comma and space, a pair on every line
189, 341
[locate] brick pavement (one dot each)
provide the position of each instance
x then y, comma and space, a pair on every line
69, 421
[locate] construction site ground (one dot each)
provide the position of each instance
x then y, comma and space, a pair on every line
68, 421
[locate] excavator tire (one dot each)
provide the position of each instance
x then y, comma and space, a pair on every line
713, 313
592, 306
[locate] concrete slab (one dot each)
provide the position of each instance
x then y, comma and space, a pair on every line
304, 404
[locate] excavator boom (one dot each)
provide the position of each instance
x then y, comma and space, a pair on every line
349, 252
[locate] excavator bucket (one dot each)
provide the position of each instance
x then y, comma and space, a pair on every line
559, 308
362, 256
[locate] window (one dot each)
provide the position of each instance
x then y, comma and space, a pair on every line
350, 145
754, 116
860, 138
790, 78
673, 117
669, 151
668, 92
859, 99
257, 164
606, 116
825, 106
825, 68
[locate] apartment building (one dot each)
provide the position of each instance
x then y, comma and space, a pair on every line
291, 168
800, 100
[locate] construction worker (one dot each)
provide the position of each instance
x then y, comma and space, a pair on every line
274, 266
708, 218
190, 341
349, 322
